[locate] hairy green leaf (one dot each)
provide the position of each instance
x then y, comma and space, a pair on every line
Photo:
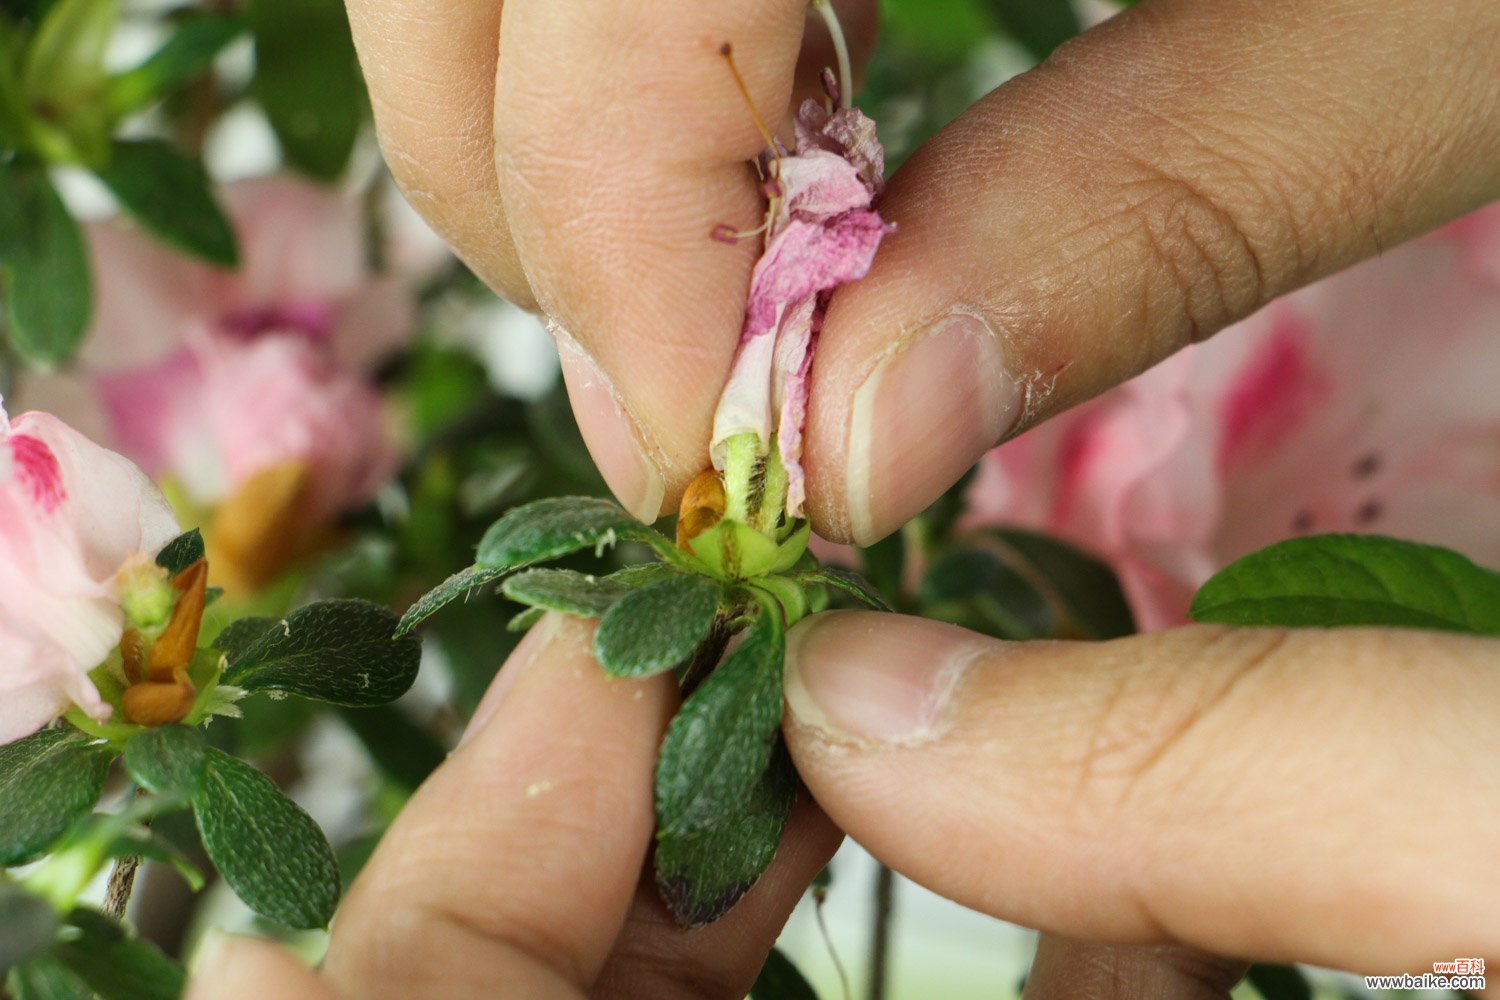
656, 627
48, 781
44, 271
242, 633
116, 966
181, 552
270, 852
1329, 580
701, 875
1084, 592
167, 761
569, 591
547, 529
525, 619
307, 80
460, 584
340, 651
720, 742
170, 195
847, 581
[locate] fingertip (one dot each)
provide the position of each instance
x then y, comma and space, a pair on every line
231, 967
611, 434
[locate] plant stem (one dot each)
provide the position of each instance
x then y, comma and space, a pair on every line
121, 882
880, 941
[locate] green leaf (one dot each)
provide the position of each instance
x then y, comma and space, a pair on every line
116, 966
44, 271
1084, 591
1279, 982
657, 627
181, 552
720, 742
780, 980
307, 80
1330, 580
48, 781
167, 761
849, 582
189, 52
460, 584
340, 651
567, 590
27, 924
1039, 25
547, 529
242, 633
270, 852
701, 875
45, 979
976, 588
170, 195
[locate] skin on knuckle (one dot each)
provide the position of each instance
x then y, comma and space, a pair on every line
1164, 727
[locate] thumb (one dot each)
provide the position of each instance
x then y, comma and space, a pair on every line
1159, 178
1246, 792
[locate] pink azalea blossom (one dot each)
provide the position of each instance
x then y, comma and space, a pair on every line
210, 377
1363, 403
72, 515
823, 233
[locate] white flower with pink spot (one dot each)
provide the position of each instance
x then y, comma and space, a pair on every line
72, 515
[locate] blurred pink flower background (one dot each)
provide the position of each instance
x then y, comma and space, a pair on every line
209, 377
1367, 402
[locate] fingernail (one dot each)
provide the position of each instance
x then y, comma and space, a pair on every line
854, 676
527, 652
925, 414
608, 431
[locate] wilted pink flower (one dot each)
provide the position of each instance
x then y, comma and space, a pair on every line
1363, 403
822, 233
210, 377
72, 515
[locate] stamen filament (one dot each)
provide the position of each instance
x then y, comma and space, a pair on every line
727, 51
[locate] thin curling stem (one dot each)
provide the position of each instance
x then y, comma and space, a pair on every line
840, 47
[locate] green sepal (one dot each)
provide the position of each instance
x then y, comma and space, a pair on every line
731, 550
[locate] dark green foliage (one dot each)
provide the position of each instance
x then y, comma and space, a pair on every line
270, 852
170, 195
656, 627
48, 781
1329, 580
341, 651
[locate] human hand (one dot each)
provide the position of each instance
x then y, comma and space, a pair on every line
1322, 796
1160, 177
516, 870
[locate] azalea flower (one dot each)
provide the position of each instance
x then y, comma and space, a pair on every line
247, 390
1363, 403
75, 519
820, 232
